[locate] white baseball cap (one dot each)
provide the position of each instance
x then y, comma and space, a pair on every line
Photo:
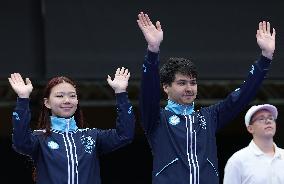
271, 108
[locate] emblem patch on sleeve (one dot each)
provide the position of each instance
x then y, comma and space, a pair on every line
16, 116
202, 121
88, 143
130, 110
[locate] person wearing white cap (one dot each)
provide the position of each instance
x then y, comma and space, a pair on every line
261, 162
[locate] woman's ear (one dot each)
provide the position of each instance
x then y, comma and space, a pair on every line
46, 103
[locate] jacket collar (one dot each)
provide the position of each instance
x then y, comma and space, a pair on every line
63, 124
180, 109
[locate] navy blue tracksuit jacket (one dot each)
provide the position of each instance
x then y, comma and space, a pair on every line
184, 146
70, 156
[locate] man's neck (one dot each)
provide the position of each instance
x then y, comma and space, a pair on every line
179, 108
265, 145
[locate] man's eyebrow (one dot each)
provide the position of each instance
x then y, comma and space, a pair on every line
186, 80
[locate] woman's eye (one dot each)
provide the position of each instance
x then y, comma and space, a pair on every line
193, 82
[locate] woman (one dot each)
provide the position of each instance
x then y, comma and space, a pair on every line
63, 149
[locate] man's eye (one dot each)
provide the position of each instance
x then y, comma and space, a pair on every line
59, 96
271, 118
181, 83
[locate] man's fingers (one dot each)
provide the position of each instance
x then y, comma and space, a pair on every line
264, 26
268, 27
141, 19
128, 75
109, 79
148, 21
117, 71
121, 72
125, 72
140, 24
158, 25
273, 33
260, 27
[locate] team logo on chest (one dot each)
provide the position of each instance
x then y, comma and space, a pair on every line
174, 120
52, 145
88, 143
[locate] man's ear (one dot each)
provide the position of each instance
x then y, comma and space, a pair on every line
165, 87
46, 103
250, 129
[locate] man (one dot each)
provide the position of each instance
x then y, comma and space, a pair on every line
181, 138
261, 162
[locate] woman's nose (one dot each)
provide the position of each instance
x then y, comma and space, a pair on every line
66, 99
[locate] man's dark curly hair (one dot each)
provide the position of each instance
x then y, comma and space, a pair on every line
174, 66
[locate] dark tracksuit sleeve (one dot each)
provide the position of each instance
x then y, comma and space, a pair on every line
109, 140
236, 101
23, 140
149, 101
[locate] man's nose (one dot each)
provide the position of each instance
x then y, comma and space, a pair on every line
268, 121
188, 86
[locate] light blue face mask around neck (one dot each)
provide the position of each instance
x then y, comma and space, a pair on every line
180, 109
63, 124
